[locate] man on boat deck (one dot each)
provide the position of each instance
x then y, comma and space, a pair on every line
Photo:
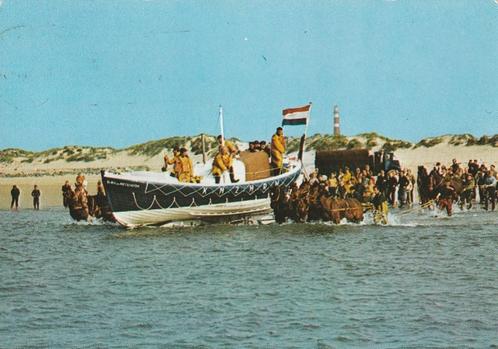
232, 148
277, 151
175, 161
186, 173
221, 163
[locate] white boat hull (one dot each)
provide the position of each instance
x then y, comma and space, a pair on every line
207, 213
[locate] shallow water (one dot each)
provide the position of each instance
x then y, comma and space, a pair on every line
424, 281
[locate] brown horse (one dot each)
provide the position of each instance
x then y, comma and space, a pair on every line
279, 204
336, 209
98, 207
76, 211
354, 211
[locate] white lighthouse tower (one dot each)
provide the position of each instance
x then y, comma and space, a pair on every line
337, 129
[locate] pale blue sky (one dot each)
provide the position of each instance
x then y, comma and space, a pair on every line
116, 73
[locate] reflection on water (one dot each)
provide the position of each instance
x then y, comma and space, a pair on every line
424, 280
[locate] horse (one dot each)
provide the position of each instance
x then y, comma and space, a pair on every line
423, 183
98, 207
354, 210
279, 204
76, 211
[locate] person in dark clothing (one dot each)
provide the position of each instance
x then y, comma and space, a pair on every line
455, 166
469, 185
473, 167
381, 182
445, 196
392, 183
15, 193
489, 190
66, 190
481, 185
404, 183
101, 198
36, 197
379, 203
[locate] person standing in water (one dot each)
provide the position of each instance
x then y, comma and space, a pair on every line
36, 198
14, 193
66, 190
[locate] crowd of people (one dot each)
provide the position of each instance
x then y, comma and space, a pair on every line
443, 185
349, 193
256, 146
475, 182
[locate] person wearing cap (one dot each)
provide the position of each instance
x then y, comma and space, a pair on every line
251, 147
223, 162
277, 151
231, 147
186, 170
175, 161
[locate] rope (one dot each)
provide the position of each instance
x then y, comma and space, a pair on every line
421, 207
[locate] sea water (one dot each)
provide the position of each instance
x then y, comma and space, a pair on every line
423, 281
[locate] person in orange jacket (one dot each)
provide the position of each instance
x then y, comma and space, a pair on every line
221, 163
277, 151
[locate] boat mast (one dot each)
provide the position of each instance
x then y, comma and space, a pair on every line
221, 126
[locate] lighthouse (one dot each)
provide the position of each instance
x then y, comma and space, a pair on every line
337, 130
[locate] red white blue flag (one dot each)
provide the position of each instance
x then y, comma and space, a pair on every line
296, 116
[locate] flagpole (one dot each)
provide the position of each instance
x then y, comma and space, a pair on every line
309, 118
306, 127
221, 126
304, 144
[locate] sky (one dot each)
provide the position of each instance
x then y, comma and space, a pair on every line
117, 73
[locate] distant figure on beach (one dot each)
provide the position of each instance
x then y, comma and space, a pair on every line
66, 191
15, 192
36, 198
277, 151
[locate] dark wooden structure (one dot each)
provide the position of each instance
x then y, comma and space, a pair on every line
328, 161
